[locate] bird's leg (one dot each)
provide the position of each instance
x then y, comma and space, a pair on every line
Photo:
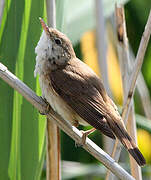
84, 136
47, 109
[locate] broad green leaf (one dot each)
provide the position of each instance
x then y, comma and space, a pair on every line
22, 130
33, 125
15, 156
9, 43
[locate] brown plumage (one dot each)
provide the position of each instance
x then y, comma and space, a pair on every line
88, 98
77, 93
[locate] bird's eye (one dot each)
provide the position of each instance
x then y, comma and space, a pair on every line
58, 41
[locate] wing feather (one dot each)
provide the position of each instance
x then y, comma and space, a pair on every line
82, 96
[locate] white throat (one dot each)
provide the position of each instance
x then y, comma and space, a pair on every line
43, 51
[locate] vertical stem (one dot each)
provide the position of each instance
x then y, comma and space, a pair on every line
101, 44
51, 13
123, 52
53, 151
125, 69
53, 134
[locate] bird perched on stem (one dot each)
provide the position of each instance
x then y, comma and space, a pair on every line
75, 92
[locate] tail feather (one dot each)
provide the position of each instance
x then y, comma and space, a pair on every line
137, 155
121, 133
133, 150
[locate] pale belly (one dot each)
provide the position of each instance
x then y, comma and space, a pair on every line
58, 104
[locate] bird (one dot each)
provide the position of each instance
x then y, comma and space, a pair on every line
75, 92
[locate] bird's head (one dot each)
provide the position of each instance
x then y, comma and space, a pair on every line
54, 47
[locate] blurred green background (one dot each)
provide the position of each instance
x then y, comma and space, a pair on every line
22, 129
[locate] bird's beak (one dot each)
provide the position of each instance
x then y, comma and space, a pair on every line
44, 26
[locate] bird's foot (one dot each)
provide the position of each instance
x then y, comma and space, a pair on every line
47, 109
84, 136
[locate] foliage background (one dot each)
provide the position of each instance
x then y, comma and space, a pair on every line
22, 129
